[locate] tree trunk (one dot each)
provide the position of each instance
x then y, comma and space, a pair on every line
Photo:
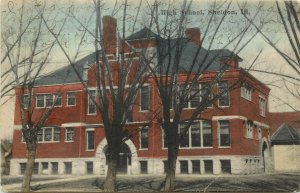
170, 176
110, 180
28, 170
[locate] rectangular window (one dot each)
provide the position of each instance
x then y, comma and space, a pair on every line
166, 167
246, 91
40, 102
196, 166
207, 134
91, 102
259, 134
71, 98
90, 139
48, 134
208, 166
225, 166
49, 100
262, 106
57, 100
45, 167
145, 98
35, 168
223, 93
196, 134
144, 167
40, 134
207, 96
184, 136
25, 101
144, 137
224, 133
249, 129
89, 167
69, 134
182, 91
68, 167
184, 167
194, 96
22, 168
54, 167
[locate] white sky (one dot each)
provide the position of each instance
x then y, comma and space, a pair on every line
268, 60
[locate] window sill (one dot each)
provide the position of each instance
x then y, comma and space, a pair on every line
89, 150
224, 106
143, 149
224, 147
71, 105
92, 114
48, 141
195, 147
69, 141
144, 111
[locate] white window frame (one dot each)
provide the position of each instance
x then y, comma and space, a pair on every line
86, 139
262, 109
66, 132
52, 135
246, 92
249, 129
219, 134
45, 100
219, 94
71, 92
140, 136
211, 94
149, 92
201, 137
54, 99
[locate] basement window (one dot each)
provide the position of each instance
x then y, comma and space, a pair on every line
208, 166
89, 167
144, 167
196, 166
54, 166
184, 167
68, 167
22, 168
225, 166
35, 168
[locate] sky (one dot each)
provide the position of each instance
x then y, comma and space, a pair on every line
199, 14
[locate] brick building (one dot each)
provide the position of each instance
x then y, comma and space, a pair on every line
232, 135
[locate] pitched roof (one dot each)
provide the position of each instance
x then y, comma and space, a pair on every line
142, 34
285, 134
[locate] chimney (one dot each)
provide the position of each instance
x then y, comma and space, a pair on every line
109, 34
194, 35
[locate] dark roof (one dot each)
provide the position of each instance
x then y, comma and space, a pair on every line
285, 134
67, 74
144, 33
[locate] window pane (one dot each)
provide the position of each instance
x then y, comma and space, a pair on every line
48, 134
145, 98
40, 135
223, 94
196, 166
207, 134
49, 100
224, 133
184, 136
68, 167
25, 101
91, 102
40, 101
69, 134
90, 140
206, 94
89, 167
195, 96
181, 93
35, 168
56, 136
57, 100
195, 133
71, 98
144, 137
54, 166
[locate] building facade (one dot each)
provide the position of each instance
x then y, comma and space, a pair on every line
232, 135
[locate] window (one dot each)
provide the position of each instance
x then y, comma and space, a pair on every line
166, 167
246, 92
22, 168
208, 166
225, 166
89, 167
259, 135
144, 167
68, 167
35, 169
224, 133
25, 101
184, 167
262, 106
91, 102
194, 96
48, 134
145, 98
196, 166
144, 138
54, 167
45, 167
57, 100
199, 134
90, 139
249, 129
207, 95
71, 98
47, 100
69, 134
223, 93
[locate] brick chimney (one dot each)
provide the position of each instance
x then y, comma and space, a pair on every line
109, 34
194, 35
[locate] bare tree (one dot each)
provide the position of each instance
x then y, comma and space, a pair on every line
182, 61
23, 36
